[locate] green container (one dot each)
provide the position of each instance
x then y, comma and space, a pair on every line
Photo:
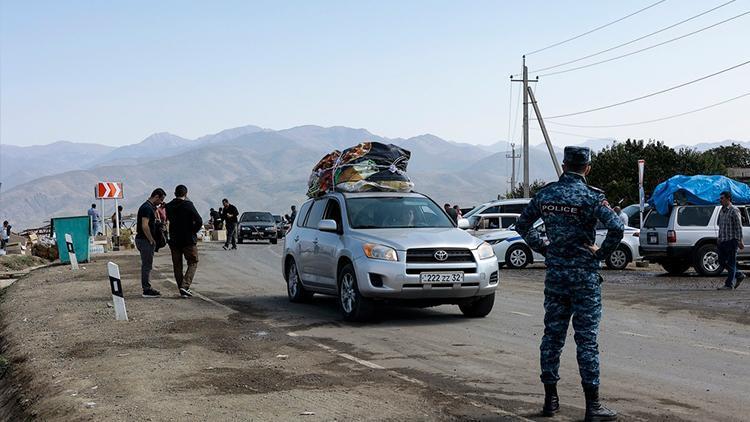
79, 228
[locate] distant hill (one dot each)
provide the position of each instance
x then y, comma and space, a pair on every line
258, 169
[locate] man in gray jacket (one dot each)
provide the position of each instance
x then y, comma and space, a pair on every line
730, 239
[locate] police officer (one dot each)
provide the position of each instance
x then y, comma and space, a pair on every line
570, 210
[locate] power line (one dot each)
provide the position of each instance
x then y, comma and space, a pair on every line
596, 29
635, 40
659, 119
646, 48
569, 134
651, 94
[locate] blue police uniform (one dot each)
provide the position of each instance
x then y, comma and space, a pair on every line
570, 210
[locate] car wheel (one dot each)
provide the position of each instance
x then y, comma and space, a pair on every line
676, 267
354, 306
294, 288
618, 259
274, 241
517, 257
478, 308
707, 261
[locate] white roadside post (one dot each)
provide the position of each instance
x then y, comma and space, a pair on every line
641, 193
71, 251
121, 314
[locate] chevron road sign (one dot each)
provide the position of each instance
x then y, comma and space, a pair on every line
109, 190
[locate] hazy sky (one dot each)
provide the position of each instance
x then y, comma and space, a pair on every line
115, 72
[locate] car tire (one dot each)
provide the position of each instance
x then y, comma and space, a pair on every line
518, 257
274, 241
675, 267
294, 288
618, 259
478, 308
707, 261
354, 306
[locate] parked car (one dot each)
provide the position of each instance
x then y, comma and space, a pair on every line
687, 237
377, 246
512, 250
485, 223
501, 206
257, 225
633, 213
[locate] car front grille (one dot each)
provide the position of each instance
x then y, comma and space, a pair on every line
429, 255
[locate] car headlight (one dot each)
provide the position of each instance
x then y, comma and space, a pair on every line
485, 251
375, 251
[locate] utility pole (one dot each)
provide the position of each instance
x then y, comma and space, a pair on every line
525, 81
550, 148
513, 157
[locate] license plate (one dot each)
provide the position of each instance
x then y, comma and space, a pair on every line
446, 277
653, 238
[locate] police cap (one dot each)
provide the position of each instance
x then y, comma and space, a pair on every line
577, 156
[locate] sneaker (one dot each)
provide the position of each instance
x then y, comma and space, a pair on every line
186, 293
725, 288
738, 280
234, 248
151, 293
225, 247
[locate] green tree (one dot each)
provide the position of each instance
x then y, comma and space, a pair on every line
734, 155
534, 187
615, 168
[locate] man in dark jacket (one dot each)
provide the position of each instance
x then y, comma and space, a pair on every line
230, 215
184, 223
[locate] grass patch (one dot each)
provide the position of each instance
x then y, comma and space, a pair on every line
19, 262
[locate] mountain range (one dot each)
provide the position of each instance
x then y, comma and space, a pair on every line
256, 168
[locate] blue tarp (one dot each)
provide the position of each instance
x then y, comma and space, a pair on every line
698, 190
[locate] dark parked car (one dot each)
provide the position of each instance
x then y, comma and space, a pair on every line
281, 225
257, 225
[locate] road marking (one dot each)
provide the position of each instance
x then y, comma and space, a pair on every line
520, 313
349, 357
721, 349
628, 333
274, 252
207, 299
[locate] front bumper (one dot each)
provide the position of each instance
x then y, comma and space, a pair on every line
401, 280
245, 233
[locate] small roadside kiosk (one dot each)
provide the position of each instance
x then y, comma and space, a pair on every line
79, 229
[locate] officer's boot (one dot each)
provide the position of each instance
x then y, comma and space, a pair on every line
595, 412
551, 400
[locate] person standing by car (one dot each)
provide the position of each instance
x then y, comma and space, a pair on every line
293, 215
4, 235
570, 210
145, 241
459, 214
451, 212
230, 222
184, 224
730, 239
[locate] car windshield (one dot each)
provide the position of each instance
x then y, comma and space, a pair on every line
474, 211
395, 212
256, 217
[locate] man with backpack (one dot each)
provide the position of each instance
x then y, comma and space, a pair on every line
184, 224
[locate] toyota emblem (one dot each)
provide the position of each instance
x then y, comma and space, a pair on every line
441, 255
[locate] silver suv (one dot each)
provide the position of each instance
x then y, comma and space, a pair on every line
368, 247
687, 238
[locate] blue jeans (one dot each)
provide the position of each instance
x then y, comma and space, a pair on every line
728, 258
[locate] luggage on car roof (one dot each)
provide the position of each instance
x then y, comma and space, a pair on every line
697, 190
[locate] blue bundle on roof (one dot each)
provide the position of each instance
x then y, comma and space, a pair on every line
697, 190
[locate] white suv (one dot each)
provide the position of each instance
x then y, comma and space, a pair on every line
687, 238
368, 247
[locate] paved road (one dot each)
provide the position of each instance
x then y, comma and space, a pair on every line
672, 348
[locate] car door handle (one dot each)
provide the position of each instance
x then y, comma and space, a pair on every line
296, 238
315, 241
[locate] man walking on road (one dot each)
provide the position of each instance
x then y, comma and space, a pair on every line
184, 223
230, 223
144, 239
730, 239
572, 288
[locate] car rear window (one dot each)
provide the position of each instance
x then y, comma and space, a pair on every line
655, 219
303, 213
316, 213
694, 216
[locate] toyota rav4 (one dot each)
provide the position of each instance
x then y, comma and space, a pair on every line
370, 247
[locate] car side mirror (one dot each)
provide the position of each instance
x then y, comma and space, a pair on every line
328, 226
463, 223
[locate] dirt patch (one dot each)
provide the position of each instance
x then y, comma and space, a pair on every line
66, 358
10, 263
